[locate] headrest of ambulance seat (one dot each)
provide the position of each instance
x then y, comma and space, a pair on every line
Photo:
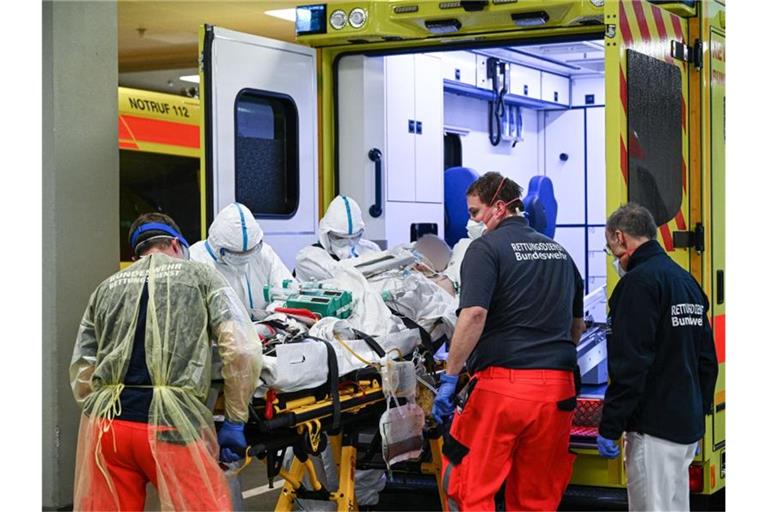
455, 184
540, 205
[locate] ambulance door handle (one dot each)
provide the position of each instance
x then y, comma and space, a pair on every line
374, 155
720, 292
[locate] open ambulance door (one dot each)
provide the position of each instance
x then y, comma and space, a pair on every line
260, 134
647, 155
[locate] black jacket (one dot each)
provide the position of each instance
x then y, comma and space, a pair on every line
661, 354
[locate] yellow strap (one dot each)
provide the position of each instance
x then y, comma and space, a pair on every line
104, 424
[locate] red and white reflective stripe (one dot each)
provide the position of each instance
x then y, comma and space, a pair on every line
719, 333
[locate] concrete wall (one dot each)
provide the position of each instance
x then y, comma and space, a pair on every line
80, 207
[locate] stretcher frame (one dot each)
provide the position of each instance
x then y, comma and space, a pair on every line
306, 424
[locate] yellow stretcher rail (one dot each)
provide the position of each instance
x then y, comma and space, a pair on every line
310, 423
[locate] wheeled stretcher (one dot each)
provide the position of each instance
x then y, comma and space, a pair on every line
316, 392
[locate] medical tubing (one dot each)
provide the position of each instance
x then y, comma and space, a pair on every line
355, 354
494, 120
496, 105
427, 384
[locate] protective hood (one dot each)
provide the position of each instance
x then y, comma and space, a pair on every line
343, 218
234, 229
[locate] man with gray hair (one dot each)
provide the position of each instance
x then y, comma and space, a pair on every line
661, 363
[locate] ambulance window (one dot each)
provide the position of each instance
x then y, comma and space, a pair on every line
654, 135
156, 182
266, 153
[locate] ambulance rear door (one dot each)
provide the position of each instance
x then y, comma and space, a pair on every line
260, 133
647, 155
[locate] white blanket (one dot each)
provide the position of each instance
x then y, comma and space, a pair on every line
420, 299
304, 365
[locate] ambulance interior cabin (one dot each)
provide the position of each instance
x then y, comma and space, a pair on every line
424, 125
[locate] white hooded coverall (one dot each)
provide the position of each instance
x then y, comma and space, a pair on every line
235, 230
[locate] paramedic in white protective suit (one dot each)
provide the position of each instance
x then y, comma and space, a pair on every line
341, 237
235, 247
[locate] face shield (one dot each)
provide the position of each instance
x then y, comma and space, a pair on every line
165, 231
240, 258
434, 251
344, 245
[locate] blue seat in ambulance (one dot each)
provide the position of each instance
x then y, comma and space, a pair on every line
456, 181
540, 205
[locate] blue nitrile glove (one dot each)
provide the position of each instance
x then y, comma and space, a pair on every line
444, 405
232, 443
607, 448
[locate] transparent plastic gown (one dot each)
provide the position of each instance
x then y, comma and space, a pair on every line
189, 305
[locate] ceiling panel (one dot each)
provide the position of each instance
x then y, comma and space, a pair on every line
162, 34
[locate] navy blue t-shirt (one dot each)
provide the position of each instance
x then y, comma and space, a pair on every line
532, 290
135, 401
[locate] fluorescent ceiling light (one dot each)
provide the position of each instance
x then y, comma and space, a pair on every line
195, 79
283, 14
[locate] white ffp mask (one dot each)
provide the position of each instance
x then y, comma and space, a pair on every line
475, 229
619, 269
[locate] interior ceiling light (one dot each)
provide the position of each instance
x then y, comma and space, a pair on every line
358, 17
195, 79
283, 14
338, 19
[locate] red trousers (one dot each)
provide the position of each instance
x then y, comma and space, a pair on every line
133, 465
511, 431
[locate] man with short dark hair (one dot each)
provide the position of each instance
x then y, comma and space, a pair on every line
141, 370
661, 363
521, 310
